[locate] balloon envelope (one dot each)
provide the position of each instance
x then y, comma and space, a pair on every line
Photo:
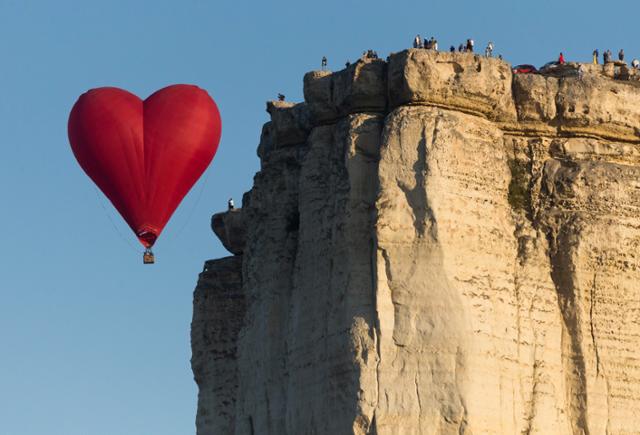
145, 155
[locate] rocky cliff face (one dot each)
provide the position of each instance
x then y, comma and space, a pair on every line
432, 246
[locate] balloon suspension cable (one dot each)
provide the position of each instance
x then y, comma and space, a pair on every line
106, 212
193, 207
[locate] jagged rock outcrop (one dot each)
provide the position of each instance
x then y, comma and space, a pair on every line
592, 106
362, 87
471, 84
231, 229
218, 315
433, 246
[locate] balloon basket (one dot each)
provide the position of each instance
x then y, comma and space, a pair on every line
148, 258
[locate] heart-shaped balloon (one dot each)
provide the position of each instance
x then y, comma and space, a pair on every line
145, 155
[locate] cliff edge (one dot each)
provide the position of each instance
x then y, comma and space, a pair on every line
432, 245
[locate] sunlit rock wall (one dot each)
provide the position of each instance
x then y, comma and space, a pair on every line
433, 245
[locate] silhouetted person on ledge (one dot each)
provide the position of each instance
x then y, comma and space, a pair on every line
470, 45
432, 44
324, 62
621, 55
230, 204
280, 97
488, 52
417, 42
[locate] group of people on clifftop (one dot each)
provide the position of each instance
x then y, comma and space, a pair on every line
429, 44
607, 57
466, 47
370, 54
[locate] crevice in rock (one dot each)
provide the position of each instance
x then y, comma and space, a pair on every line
559, 119
416, 195
592, 307
375, 328
563, 276
417, 387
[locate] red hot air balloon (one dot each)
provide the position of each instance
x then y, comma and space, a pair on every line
145, 155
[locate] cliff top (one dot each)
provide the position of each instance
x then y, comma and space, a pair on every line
603, 103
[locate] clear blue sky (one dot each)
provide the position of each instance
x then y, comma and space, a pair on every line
93, 342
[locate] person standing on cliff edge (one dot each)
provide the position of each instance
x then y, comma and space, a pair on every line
596, 54
488, 52
561, 58
621, 55
470, 45
433, 44
324, 62
230, 204
417, 42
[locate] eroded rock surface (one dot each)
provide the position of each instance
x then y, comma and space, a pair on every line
231, 229
437, 246
359, 88
219, 306
461, 81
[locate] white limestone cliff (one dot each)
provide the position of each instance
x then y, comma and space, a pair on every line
432, 245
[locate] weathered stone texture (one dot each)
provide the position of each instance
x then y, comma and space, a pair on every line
599, 106
359, 88
592, 211
291, 123
231, 229
593, 105
437, 246
219, 306
462, 81
535, 97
